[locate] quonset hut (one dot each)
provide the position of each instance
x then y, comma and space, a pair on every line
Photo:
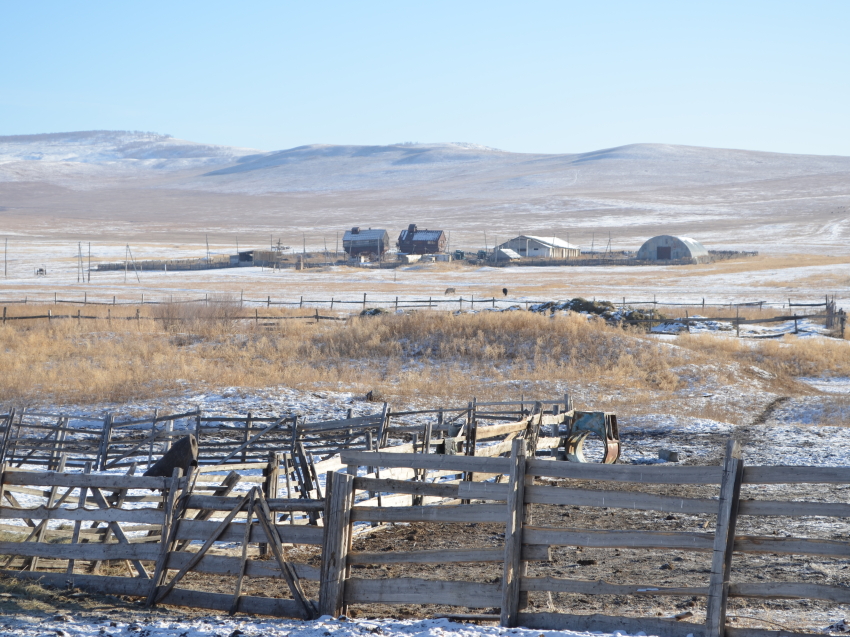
668, 248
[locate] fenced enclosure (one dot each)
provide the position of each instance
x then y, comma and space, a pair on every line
500, 482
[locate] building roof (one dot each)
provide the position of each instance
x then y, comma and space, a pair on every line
370, 234
507, 252
696, 248
420, 235
552, 242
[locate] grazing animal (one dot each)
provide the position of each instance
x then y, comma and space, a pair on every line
183, 454
450, 291
505, 291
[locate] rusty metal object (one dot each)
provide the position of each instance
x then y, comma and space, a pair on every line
584, 423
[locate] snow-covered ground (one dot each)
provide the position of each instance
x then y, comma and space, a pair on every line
224, 626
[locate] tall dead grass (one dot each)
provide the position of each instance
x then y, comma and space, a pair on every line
789, 357
426, 354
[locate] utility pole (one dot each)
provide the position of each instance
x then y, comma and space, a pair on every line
126, 257
304, 237
208, 250
237, 244
89, 276
5, 252
79, 261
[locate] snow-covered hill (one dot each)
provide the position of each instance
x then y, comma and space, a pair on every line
454, 168
95, 181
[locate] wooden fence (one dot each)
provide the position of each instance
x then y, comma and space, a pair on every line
140, 536
525, 542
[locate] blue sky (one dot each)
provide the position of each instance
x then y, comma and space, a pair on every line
527, 76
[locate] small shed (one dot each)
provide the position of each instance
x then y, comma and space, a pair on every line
416, 241
527, 245
669, 248
501, 255
358, 242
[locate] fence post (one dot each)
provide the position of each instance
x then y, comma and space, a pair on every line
364, 300
338, 501
106, 437
724, 540
271, 473
513, 536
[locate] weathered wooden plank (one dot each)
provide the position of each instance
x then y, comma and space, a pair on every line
492, 431
796, 475
452, 513
791, 590
139, 516
425, 461
336, 544
98, 481
514, 515
410, 590
645, 474
619, 539
226, 503
87, 551
407, 486
608, 624
791, 546
793, 509
228, 565
530, 552
561, 585
542, 494
289, 533
724, 538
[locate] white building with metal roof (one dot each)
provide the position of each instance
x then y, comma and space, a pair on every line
527, 245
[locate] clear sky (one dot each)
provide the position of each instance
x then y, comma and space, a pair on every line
526, 76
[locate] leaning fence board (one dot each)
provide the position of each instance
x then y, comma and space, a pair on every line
608, 624
530, 552
425, 461
410, 590
561, 585
793, 509
624, 473
796, 475
791, 546
289, 533
98, 481
89, 551
139, 516
452, 513
619, 539
791, 590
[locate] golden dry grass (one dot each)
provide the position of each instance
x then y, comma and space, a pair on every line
424, 354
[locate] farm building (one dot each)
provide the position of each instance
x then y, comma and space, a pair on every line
502, 255
358, 242
668, 248
544, 247
416, 241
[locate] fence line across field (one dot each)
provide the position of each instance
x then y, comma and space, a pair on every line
397, 302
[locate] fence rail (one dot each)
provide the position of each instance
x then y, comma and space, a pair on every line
159, 536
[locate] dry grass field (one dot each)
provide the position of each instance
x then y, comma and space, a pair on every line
414, 357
